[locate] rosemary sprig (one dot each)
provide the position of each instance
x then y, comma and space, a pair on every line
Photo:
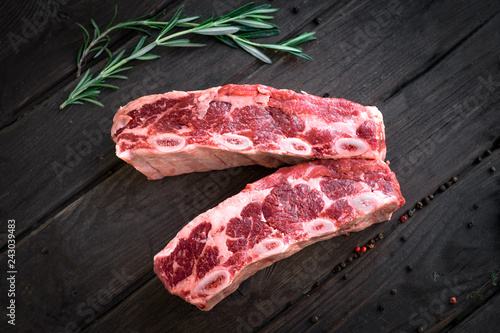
234, 29
100, 40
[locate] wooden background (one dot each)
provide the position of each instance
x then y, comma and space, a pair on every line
88, 225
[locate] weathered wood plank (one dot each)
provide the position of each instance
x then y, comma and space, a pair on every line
40, 44
102, 289
78, 152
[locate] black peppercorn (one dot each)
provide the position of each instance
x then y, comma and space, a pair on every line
442, 188
317, 20
394, 292
454, 179
479, 160
470, 224
345, 277
420, 329
487, 152
419, 205
410, 213
314, 319
427, 200
476, 206
381, 307
380, 236
326, 95
493, 169
295, 10
404, 238
431, 196
409, 268
350, 258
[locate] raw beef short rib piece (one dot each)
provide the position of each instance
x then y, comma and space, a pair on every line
234, 125
272, 219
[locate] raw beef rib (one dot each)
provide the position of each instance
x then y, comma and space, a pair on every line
180, 132
272, 219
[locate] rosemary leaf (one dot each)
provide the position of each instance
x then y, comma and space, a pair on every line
253, 51
256, 23
217, 31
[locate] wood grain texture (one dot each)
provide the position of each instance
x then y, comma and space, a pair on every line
87, 234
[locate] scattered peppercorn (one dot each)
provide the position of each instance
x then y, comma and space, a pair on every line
394, 292
357, 249
454, 179
404, 238
475, 206
381, 307
381, 236
343, 265
326, 95
295, 10
420, 329
315, 284
45, 251
350, 258
431, 196
314, 319
410, 213
363, 249
345, 277
493, 169
479, 159
453, 300
338, 268
372, 241
403, 218
317, 20
419, 205
487, 152
442, 188
409, 268
470, 224
356, 256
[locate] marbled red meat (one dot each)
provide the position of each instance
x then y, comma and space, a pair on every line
272, 219
233, 125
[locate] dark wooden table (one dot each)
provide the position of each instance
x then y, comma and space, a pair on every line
87, 225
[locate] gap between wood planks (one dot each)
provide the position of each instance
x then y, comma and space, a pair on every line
434, 61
